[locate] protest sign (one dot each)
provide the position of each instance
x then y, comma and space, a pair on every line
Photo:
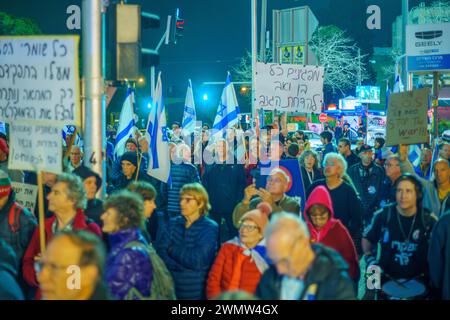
26, 194
407, 118
39, 80
289, 88
376, 128
35, 147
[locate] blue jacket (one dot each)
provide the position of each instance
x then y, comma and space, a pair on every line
439, 257
180, 175
128, 268
189, 254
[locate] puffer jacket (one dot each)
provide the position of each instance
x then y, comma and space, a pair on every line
189, 254
237, 267
180, 175
9, 267
128, 267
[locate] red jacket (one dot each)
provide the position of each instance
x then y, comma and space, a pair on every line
334, 234
34, 248
231, 265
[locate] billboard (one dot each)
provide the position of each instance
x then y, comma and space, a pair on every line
368, 94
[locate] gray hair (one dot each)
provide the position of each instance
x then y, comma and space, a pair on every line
342, 164
75, 189
288, 223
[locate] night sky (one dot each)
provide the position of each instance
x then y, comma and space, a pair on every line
217, 33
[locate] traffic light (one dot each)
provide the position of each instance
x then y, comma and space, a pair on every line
178, 27
127, 58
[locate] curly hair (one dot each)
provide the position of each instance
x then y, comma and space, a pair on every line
307, 153
74, 189
144, 189
129, 207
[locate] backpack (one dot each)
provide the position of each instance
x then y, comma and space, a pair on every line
162, 287
14, 217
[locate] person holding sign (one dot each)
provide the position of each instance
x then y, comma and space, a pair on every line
67, 200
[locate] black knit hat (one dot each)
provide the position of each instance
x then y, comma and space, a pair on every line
131, 157
84, 173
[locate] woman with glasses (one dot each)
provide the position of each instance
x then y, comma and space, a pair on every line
325, 229
189, 243
241, 261
347, 205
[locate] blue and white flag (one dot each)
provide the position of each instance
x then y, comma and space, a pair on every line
126, 125
398, 84
227, 112
159, 156
189, 116
70, 130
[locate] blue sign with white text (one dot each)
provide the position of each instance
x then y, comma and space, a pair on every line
429, 63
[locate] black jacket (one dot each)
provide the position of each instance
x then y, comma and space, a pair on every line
329, 272
368, 182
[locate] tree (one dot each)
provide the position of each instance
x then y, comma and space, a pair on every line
13, 26
344, 66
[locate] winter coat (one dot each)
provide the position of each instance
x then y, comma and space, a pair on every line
287, 204
27, 223
80, 222
9, 265
237, 268
189, 254
180, 175
368, 182
334, 234
94, 210
217, 180
439, 257
128, 267
328, 272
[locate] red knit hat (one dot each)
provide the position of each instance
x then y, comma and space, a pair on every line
260, 216
5, 184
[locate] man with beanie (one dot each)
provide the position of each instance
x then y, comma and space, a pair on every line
17, 223
241, 261
92, 182
14, 175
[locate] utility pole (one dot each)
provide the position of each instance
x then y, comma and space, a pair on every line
254, 50
262, 41
93, 76
359, 67
405, 13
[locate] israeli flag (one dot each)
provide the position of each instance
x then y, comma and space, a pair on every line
126, 125
398, 84
227, 112
159, 156
414, 154
70, 130
189, 117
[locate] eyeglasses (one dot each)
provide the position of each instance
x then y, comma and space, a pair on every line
331, 164
388, 165
248, 227
40, 265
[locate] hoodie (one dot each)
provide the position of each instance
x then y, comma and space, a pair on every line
333, 234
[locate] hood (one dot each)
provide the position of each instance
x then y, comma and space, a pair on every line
8, 258
319, 195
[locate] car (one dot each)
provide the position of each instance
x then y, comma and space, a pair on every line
314, 139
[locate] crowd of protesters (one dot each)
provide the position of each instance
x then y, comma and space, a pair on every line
368, 216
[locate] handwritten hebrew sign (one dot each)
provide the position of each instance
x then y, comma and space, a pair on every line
39, 80
26, 194
289, 87
35, 147
407, 118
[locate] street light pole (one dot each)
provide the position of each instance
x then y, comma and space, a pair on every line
254, 50
93, 76
405, 13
